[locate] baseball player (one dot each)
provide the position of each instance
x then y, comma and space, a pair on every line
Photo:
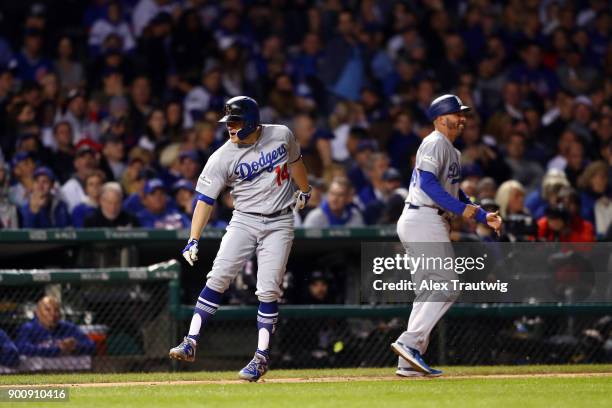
258, 162
434, 193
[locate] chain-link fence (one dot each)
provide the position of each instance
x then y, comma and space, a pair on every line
115, 319
126, 319
360, 336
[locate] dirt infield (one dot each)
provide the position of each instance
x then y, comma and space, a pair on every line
298, 380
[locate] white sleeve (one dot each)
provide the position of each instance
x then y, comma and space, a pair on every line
431, 156
293, 146
213, 178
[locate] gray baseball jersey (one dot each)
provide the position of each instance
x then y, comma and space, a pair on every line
423, 231
438, 156
258, 173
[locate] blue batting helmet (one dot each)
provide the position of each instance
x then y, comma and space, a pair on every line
445, 104
245, 109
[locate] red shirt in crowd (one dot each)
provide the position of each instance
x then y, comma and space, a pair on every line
581, 230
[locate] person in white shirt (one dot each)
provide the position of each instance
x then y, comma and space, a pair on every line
113, 24
146, 10
85, 161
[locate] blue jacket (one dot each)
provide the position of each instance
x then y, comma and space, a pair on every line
133, 204
536, 204
169, 219
54, 215
81, 212
334, 220
9, 355
35, 340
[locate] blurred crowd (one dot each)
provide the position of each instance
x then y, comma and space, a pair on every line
108, 110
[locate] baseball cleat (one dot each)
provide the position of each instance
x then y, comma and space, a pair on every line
411, 372
256, 368
185, 351
413, 357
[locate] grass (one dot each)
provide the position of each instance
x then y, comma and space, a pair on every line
84, 378
458, 391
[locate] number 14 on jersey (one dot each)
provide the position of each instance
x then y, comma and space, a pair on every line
282, 174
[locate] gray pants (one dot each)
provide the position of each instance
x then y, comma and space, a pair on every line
269, 238
424, 232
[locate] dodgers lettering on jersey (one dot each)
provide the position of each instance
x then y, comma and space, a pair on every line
438, 156
258, 174
267, 161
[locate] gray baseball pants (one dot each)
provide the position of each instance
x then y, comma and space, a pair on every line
269, 238
423, 232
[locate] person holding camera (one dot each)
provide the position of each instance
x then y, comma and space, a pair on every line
519, 225
563, 223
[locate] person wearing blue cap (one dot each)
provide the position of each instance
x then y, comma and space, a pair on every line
23, 166
157, 213
389, 203
190, 165
434, 193
184, 196
32, 63
44, 209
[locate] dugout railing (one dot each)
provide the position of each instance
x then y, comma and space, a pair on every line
129, 314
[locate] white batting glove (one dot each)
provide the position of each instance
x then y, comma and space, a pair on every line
190, 253
301, 199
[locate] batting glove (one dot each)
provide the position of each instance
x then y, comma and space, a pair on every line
190, 253
301, 198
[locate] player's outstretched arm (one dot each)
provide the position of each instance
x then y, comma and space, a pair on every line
201, 215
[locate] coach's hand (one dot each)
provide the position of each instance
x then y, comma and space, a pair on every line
470, 211
190, 253
494, 221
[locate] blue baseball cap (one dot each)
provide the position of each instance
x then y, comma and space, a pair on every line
366, 145
392, 174
444, 105
44, 171
190, 154
19, 157
182, 184
153, 185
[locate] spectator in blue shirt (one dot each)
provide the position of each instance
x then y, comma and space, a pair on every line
533, 74
44, 209
336, 209
379, 163
157, 213
46, 335
32, 65
404, 142
9, 355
